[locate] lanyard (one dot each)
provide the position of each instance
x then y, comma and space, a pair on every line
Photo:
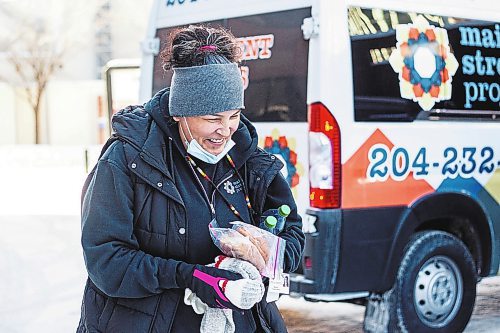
207, 178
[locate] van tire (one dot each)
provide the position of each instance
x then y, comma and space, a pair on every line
435, 288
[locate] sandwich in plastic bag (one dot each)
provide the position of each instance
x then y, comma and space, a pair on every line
247, 242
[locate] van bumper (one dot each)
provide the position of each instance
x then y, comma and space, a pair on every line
320, 260
348, 250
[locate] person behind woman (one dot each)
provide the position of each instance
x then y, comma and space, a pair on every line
186, 157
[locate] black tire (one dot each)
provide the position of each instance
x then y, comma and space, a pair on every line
435, 288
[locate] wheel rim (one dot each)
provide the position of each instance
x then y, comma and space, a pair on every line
438, 291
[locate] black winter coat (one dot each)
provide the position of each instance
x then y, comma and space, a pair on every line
134, 224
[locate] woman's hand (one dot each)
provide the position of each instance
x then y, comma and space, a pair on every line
244, 248
208, 283
257, 240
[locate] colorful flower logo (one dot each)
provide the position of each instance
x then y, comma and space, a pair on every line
280, 148
424, 62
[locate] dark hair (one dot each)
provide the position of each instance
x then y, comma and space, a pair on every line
198, 45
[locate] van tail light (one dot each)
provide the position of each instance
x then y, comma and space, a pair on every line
324, 158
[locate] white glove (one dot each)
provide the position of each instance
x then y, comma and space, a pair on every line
190, 298
244, 293
246, 269
217, 321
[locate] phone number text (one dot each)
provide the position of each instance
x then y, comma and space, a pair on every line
397, 162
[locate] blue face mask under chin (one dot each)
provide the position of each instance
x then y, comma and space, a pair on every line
196, 150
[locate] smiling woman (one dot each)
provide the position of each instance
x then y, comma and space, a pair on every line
213, 133
161, 180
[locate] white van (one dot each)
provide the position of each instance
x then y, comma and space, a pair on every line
386, 115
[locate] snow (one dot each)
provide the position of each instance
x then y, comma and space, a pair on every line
43, 180
42, 273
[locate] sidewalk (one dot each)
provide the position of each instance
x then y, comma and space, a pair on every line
42, 274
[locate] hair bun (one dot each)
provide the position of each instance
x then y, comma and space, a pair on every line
198, 45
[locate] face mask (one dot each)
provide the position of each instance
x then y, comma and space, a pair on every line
194, 149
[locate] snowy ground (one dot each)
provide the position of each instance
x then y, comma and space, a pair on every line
42, 277
42, 273
307, 317
41, 266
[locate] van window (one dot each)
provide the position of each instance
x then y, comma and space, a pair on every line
469, 63
274, 64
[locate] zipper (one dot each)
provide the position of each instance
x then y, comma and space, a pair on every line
155, 313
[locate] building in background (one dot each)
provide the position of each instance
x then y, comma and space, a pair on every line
87, 33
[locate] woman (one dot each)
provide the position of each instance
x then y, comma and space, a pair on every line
185, 158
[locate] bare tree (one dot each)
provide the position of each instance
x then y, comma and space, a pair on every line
37, 45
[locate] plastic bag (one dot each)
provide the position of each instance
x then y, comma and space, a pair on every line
247, 242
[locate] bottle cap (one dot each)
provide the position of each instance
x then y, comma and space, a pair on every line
270, 222
284, 210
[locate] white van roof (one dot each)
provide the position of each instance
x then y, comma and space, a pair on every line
174, 12
166, 13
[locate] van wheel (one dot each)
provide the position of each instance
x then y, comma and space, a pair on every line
435, 288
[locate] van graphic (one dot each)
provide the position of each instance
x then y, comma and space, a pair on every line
424, 62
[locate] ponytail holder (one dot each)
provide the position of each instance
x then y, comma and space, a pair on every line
208, 48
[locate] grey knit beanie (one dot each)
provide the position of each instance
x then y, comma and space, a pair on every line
205, 90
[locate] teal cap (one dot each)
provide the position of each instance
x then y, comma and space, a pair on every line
284, 210
270, 222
